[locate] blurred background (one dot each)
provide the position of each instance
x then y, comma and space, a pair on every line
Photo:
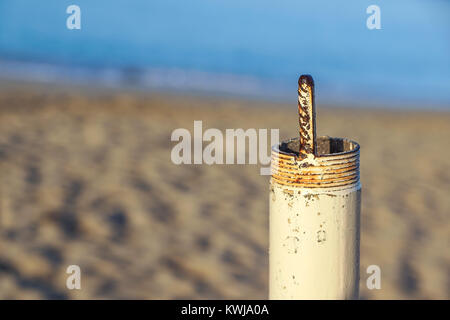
86, 117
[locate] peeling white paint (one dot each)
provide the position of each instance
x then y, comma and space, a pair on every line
314, 242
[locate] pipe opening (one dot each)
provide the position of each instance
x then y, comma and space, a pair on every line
325, 146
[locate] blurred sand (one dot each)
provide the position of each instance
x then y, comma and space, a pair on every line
86, 179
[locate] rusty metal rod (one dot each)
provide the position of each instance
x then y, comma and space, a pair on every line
306, 117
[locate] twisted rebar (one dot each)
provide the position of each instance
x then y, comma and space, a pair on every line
306, 116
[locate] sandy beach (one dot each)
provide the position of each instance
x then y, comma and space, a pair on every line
86, 179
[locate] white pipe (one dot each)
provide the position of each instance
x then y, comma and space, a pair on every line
315, 202
314, 242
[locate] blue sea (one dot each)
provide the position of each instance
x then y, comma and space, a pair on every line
237, 47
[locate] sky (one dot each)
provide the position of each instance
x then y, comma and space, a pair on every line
254, 48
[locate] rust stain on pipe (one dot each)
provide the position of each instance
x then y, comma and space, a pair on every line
332, 167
